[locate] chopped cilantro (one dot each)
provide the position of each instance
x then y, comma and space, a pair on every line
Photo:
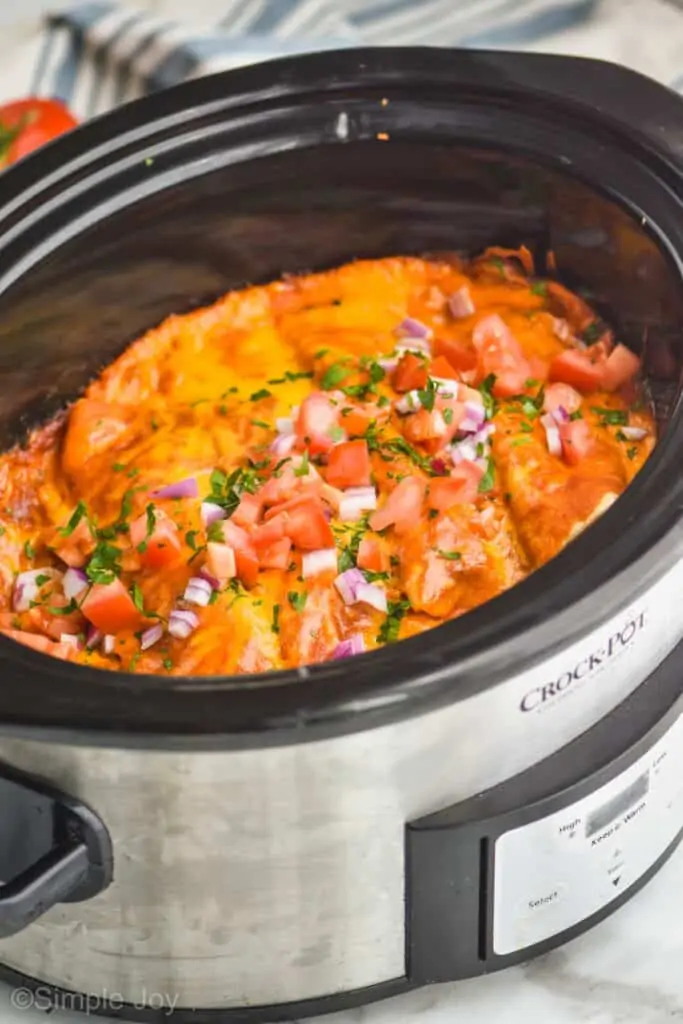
297, 600
631, 453
451, 556
611, 417
78, 513
333, 376
576, 415
391, 625
499, 264
526, 428
289, 375
335, 433
433, 513
260, 423
427, 395
29, 550
593, 332
258, 395
104, 566
138, 600
486, 390
486, 482
275, 625
118, 467
3, 531
448, 416
226, 490
66, 610
304, 467
520, 440
168, 664
191, 539
215, 533
540, 288
321, 353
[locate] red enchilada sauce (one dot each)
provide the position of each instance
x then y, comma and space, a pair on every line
317, 467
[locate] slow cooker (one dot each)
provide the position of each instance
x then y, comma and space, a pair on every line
297, 842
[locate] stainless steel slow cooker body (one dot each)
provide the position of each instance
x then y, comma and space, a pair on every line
258, 826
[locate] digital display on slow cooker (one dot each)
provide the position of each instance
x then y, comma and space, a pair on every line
606, 814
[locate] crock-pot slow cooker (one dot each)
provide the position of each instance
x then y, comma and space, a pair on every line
280, 845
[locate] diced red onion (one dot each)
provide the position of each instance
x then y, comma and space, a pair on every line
412, 328
108, 643
356, 501
561, 329
464, 451
347, 584
211, 580
186, 488
634, 433
74, 583
93, 638
476, 412
439, 467
460, 303
182, 622
552, 434
72, 640
282, 445
439, 425
388, 364
284, 425
481, 462
315, 562
26, 589
410, 402
369, 593
211, 513
198, 591
560, 415
446, 387
347, 648
151, 636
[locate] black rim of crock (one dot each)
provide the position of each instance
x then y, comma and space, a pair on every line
615, 560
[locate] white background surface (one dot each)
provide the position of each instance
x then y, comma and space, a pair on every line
628, 970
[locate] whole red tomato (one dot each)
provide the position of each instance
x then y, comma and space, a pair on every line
27, 124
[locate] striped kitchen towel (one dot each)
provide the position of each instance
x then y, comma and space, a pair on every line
99, 54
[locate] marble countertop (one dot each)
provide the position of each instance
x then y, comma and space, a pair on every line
629, 969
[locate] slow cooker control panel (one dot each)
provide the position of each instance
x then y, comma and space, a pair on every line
557, 871
533, 862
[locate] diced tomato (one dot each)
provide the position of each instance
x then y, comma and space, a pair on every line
277, 556
426, 425
110, 608
316, 422
577, 441
248, 511
499, 353
356, 420
561, 396
75, 549
307, 527
287, 486
40, 643
403, 506
410, 374
372, 556
160, 549
220, 561
286, 506
348, 465
621, 367
578, 369
271, 531
460, 488
246, 558
440, 367
459, 356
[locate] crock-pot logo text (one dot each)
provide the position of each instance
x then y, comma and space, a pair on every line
540, 695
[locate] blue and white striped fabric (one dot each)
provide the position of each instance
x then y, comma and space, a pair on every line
99, 54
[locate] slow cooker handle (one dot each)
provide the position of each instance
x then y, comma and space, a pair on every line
53, 849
